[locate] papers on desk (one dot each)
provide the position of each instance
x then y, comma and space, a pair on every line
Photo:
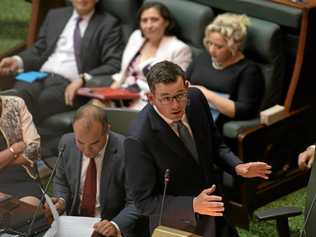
73, 226
65, 226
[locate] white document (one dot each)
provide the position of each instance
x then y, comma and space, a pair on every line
65, 226
74, 226
52, 231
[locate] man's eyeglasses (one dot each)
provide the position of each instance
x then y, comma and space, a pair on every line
181, 97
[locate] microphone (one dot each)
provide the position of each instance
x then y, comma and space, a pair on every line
59, 157
166, 181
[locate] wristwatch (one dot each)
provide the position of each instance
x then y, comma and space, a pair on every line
83, 78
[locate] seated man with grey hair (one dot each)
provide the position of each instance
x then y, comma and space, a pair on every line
90, 178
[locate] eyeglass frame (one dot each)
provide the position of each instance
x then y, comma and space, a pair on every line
180, 97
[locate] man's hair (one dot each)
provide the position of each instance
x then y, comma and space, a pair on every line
90, 114
164, 13
164, 72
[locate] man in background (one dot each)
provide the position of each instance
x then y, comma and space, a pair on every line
74, 45
90, 178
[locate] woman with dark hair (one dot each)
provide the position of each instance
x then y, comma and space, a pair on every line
19, 149
153, 42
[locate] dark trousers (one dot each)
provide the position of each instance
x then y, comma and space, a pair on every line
46, 97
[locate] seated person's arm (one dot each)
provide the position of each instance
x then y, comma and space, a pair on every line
10, 155
248, 95
223, 105
31, 153
8, 66
306, 158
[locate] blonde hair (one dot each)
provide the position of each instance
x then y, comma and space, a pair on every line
232, 27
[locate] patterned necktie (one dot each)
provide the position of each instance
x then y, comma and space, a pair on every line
186, 138
77, 42
89, 190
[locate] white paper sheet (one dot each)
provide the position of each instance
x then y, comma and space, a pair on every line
74, 226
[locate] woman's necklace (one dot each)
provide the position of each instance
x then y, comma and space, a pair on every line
218, 66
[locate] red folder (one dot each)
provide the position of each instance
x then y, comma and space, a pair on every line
107, 93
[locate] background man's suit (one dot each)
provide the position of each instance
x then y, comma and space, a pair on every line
153, 147
115, 200
100, 53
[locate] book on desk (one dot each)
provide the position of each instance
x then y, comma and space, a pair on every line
107, 93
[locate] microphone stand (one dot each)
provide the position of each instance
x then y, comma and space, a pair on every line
166, 179
60, 154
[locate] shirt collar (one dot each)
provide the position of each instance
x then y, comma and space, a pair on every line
87, 17
169, 121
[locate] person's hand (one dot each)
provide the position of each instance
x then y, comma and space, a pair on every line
18, 147
254, 169
59, 203
106, 228
71, 91
306, 158
8, 66
207, 204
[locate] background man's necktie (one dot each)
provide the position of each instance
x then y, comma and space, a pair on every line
187, 139
89, 190
77, 42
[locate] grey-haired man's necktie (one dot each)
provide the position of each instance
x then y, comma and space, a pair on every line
187, 139
77, 42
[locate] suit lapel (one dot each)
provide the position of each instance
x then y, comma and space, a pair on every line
168, 136
58, 28
85, 41
106, 173
202, 140
76, 155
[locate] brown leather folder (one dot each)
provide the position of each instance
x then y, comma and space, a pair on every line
17, 215
107, 93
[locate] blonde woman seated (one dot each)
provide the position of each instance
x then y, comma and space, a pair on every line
232, 84
19, 149
153, 42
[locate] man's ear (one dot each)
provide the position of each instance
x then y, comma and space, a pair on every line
150, 97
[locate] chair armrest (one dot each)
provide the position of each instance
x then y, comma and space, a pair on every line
277, 213
231, 129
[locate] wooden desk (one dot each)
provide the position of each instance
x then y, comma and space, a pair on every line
299, 92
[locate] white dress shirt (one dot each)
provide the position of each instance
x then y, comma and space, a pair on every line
99, 163
172, 124
62, 61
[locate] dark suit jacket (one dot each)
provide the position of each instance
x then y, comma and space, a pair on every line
115, 199
153, 147
101, 45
